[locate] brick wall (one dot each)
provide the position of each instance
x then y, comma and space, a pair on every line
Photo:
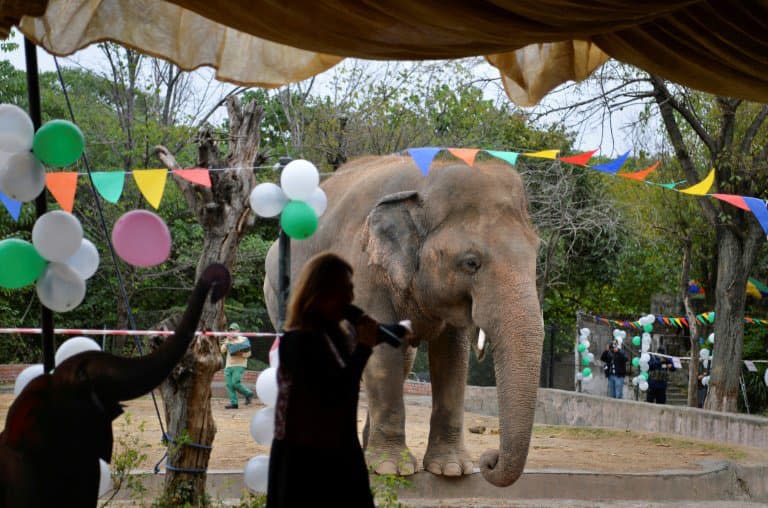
8, 373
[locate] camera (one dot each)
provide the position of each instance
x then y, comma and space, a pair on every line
392, 334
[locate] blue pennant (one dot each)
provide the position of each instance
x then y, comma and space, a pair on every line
612, 166
423, 157
758, 208
13, 207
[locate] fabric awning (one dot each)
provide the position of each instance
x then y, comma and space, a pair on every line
720, 46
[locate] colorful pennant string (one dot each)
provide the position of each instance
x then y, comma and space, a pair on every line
63, 186
701, 188
641, 175
580, 159
543, 154
466, 154
109, 184
423, 157
705, 318
151, 183
612, 166
508, 157
13, 206
199, 176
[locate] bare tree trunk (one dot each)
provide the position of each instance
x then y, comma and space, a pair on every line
693, 327
224, 213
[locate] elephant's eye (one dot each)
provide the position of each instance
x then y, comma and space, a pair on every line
470, 263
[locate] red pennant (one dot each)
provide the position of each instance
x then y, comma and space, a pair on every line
737, 201
199, 176
63, 186
684, 321
642, 174
466, 154
580, 159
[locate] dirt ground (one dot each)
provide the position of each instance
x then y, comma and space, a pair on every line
552, 447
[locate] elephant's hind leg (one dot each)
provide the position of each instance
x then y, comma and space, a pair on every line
448, 360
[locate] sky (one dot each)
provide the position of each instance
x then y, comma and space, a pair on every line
609, 133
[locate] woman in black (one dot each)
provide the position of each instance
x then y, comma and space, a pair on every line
316, 458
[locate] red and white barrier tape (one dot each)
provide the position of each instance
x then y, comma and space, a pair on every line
162, 333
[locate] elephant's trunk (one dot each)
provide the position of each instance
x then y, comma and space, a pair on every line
119, 378
515, 338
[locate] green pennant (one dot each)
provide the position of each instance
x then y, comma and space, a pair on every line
509, 157
711, 317
109, 184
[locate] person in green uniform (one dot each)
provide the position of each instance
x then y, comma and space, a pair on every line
237, 359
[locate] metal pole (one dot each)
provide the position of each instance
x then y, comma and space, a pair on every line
284, 268
41, 203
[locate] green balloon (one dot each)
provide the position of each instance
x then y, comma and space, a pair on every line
20, 262
582, 347
636, 340
585, 360
298, 220
648, 328
635, 361
586, 372
644, 375
58, 143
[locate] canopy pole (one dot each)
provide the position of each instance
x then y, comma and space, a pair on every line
284, 269
41, 203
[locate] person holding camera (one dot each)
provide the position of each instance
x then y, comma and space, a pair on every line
659, 368
615, 368
316, 454
238, 350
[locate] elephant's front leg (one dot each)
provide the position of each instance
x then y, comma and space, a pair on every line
448, 359
384, 375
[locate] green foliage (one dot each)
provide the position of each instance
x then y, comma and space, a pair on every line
128, 455
252, 500
385, 487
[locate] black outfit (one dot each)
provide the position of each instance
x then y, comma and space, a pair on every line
316, 458
615, 363
658, 376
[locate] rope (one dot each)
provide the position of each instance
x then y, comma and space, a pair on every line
120, 281
169, 467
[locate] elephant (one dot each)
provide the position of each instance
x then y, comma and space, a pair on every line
454, 252
60, 425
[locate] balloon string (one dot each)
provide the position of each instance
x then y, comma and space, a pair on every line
120, 281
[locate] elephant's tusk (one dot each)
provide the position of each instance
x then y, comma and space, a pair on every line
480, 340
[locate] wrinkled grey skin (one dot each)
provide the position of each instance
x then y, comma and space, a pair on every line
60, 425
452, 252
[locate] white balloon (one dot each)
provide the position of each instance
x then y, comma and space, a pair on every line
60, 288
266, 386
586, 344
705, 380
256, 473
274, 359
105, 480
645, 357
23, 177
711, 338
585, 331
643, 385
85, 261
263, 425
25, 376
267, 200
651, 319
704, 353
635, 380
706, 363
74, 346
765, 377
299, 179
318, 201
579, 376
16, 129
591, 357
588, 378
644, 366
57, 235
646, 336
617, 333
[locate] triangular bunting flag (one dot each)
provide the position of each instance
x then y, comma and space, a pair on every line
151, 183
670, 186
63, 186
200, 176
543, 154
109, 184
641, 175
466, 154
423, 157
732, 199
13, 206
508, 157
684, 321
580, 159
612, 166
758, 208
702, 187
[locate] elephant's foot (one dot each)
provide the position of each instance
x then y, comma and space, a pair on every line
448, 461
391, 460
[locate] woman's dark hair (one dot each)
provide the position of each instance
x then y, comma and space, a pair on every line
318, 278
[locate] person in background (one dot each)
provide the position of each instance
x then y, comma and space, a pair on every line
659, 368
238, 350
316, 457
615, 368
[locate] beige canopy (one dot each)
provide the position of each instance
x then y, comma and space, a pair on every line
720, 46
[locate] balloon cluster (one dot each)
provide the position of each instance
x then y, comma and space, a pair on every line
263, 424
298, 200
23, 151
643, 361
59, 258
67, 349
586, 357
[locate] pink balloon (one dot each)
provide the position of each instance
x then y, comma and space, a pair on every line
141, 238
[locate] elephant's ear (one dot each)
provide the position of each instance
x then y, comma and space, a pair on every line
394, 232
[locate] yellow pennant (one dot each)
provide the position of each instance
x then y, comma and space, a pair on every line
544, 154
151, 183
701, 188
